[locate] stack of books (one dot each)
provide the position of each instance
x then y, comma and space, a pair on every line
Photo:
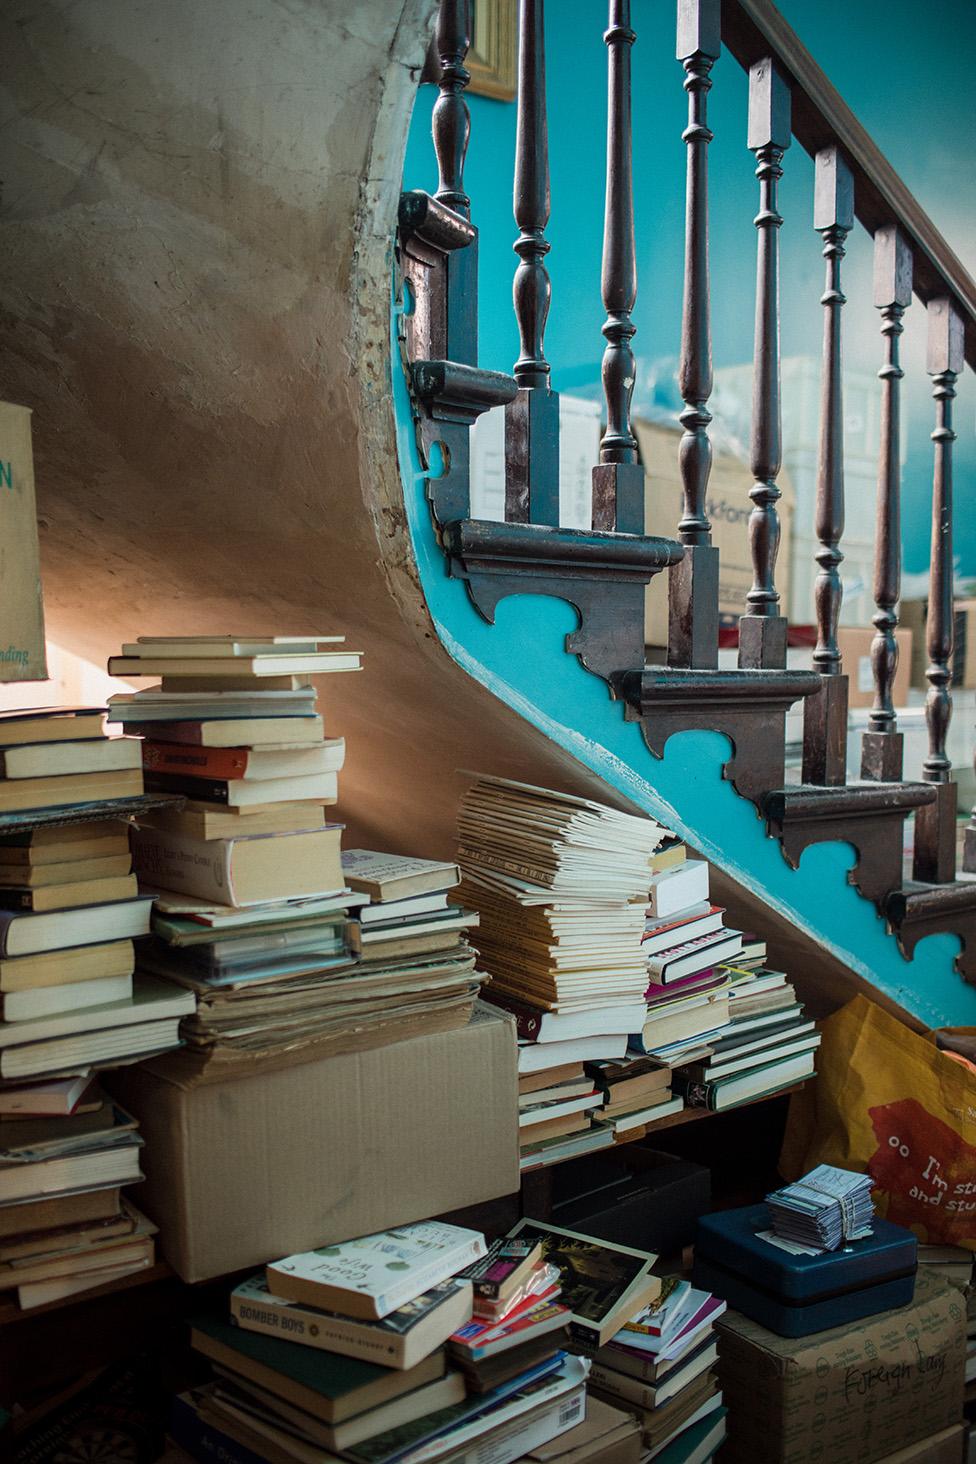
66, 1151
252, 908
69, 903
768, 1044
633, 1092
661, 1364
685, 944
411, 938
822, 1211
518, 1321
560, 884
367, 1377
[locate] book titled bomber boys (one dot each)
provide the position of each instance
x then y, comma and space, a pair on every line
400, 1340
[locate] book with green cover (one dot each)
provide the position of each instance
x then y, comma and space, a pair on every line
326, 1384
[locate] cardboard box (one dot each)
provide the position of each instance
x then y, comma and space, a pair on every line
22, 649
912, 615
606, 1436
728, 507
945, 1447
244, 1171
848, 1396
855, 649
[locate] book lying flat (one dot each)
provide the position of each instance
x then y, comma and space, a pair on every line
24, 933
20, 794
118, 1164
317, 663
357, 1278
63, 967
228, 645
151, 1001
50, 724
111, 1044
19, 1006
400, 1340
255, 732
239, 793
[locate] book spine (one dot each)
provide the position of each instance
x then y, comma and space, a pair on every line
207, 790
204, 1442
621, 1388
528, 1022
200, 867
696, 1094
317, 1329
197, 762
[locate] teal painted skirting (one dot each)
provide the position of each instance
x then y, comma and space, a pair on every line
521, 660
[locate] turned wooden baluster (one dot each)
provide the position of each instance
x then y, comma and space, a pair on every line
618, 479
881, 744
825, 714
693, 583
532, 419
451, 128
935, 826
762, 630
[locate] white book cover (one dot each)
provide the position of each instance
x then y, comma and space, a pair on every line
381, 1272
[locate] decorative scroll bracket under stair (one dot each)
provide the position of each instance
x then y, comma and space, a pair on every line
748, 707
453, 397
603, 575
868, 815
917, 910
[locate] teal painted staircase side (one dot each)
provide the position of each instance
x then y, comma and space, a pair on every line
521, 659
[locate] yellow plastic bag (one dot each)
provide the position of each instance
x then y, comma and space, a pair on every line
888, 1103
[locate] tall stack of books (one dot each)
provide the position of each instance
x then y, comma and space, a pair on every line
560, 885
252, 908
69, 904
685, 941
368, 1377
65, 1226
661, 1364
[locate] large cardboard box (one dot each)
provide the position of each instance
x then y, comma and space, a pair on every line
854, 642
242, 1171
22, 651
728, 506
848, 1396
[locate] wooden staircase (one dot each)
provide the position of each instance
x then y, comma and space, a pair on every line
603, 572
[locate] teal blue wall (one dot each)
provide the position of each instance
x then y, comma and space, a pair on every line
907, 73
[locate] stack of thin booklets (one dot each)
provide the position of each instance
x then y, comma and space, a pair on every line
343, 1351
70, 906
66, 1151
252, 908
560, 884
822, 1211
686, 945
661, 1363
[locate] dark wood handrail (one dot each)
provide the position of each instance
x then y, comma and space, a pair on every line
752, 29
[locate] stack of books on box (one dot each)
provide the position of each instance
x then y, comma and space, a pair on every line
685, 943
411, 937
392, 1298
69, 904
66, 1151
252, 909
661, 1364
560, 884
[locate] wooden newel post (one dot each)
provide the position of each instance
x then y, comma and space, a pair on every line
825, 714
762, 629
451, 128
881, 744
693, 583
618, 479
935, 826
532, 419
